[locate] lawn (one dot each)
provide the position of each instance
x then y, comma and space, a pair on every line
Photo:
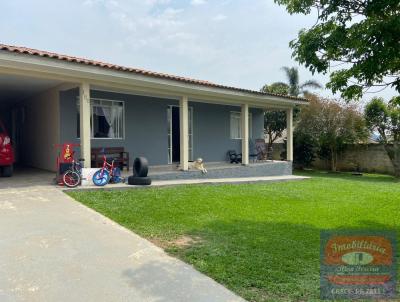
259, 240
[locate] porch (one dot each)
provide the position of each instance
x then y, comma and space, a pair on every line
218, 173
35, 180
176, 129
219, 170
218, 120
169, 120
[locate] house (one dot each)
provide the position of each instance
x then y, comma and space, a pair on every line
48, 98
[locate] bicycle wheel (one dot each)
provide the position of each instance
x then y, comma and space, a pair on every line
71, 179
101, 178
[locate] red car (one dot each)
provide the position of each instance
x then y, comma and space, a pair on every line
6, 153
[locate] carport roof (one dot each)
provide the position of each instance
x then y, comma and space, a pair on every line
77, 60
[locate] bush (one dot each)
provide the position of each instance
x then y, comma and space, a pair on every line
304, 149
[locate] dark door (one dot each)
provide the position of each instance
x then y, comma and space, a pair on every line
176, 138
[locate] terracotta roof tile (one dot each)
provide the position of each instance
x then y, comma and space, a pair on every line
52, 55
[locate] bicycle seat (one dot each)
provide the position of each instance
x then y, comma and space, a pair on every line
81, 159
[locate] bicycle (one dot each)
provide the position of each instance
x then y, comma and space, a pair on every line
73, 176
108, 173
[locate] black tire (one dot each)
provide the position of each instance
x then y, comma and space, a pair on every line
140, 167
7, 171
139, 181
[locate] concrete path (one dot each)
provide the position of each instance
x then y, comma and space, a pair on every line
55, 249
176, 182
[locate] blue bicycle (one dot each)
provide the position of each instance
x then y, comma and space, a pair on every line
107, 174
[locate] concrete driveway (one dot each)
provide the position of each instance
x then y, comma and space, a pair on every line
55, 249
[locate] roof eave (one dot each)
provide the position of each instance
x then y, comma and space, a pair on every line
77, 72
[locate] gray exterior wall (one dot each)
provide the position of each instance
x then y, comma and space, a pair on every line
211, 130
146, 126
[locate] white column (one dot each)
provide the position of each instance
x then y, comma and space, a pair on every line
84, 105
245, 134
184, 132
289, 130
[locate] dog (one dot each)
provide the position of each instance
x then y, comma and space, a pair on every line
198, 164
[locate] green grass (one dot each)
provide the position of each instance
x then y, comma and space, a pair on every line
259, 240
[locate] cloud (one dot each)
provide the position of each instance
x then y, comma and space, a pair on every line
90, 2
103, 3
195, 38
155, 2
172, 12
198, 2
219, 17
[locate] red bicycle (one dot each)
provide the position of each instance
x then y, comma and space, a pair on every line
108, 173
68, 169
73, 176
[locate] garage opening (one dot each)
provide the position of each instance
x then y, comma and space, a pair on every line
29, 111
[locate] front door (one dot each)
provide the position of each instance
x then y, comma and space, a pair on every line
174, 134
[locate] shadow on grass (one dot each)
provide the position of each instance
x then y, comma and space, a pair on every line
261, 261
381, 178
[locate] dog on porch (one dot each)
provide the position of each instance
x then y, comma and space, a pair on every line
198, 164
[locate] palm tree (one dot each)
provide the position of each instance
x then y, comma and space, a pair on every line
275, 122
294, 87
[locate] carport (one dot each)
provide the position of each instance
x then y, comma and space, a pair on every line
29, 111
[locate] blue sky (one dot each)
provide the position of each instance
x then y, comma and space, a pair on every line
233, 42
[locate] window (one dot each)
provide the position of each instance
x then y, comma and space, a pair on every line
107, 119
236, 125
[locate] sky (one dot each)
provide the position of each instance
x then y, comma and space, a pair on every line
239, 43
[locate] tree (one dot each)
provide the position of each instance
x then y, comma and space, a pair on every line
277, 88
295, 88
274, 125
385, 119
275, 121
332, 126
358, 38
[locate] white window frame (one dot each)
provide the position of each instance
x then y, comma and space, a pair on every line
238, 115
91, 118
